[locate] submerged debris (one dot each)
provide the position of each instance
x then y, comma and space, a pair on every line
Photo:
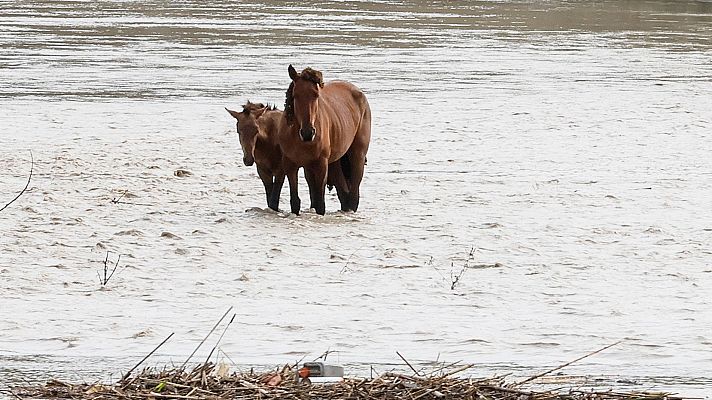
182, 173
210, 381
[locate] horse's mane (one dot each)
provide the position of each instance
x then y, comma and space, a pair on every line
308, 74
289, 104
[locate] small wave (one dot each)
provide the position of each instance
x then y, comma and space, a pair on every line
540, 344
475, 341
129, 232
169, 235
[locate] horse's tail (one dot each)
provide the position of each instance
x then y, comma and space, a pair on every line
346, 166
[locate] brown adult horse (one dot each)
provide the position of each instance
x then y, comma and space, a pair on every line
326, 129
257, 129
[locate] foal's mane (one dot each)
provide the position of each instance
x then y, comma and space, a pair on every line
249, 107
308, 74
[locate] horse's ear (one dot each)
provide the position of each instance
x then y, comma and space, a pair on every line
233, 113
292, 72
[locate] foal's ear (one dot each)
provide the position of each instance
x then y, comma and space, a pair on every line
258, 113
233, 113
292, 72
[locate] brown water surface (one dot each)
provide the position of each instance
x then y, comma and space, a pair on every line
567, 142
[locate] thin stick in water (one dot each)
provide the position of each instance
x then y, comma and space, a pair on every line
126, 375
220, 338
406, 361
32, 168
568, 363
203, 341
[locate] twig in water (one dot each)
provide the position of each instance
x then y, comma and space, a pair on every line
325, 354
126, 375
567, 364
406, 361
430, 263
220, 338
346, 266
203, 341
456, 278
107, 276
116, 201
32, 168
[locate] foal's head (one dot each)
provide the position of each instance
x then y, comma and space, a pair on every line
302, 101
247, 128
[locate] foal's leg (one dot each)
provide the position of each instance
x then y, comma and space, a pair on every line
276, 190
266, 177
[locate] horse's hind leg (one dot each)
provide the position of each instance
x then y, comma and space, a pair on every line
357, 167
336, 178
357, 157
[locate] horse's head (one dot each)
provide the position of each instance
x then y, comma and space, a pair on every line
302, 101
247, 128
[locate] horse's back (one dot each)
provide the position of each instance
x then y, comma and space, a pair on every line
360, 110
350, 111
347, 91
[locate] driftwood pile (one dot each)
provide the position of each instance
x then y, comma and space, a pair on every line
209, 381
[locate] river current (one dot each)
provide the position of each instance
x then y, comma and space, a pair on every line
538, 186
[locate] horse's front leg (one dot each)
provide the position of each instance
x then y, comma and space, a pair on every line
318, 185
294, 200
309, 177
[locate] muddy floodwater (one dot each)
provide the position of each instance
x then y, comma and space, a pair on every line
553, 158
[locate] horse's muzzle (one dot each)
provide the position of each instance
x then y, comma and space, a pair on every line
307, 134
248, 161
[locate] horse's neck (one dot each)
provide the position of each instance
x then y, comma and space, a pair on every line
326, 112
324, 108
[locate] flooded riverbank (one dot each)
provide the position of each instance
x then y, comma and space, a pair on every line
567, 144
